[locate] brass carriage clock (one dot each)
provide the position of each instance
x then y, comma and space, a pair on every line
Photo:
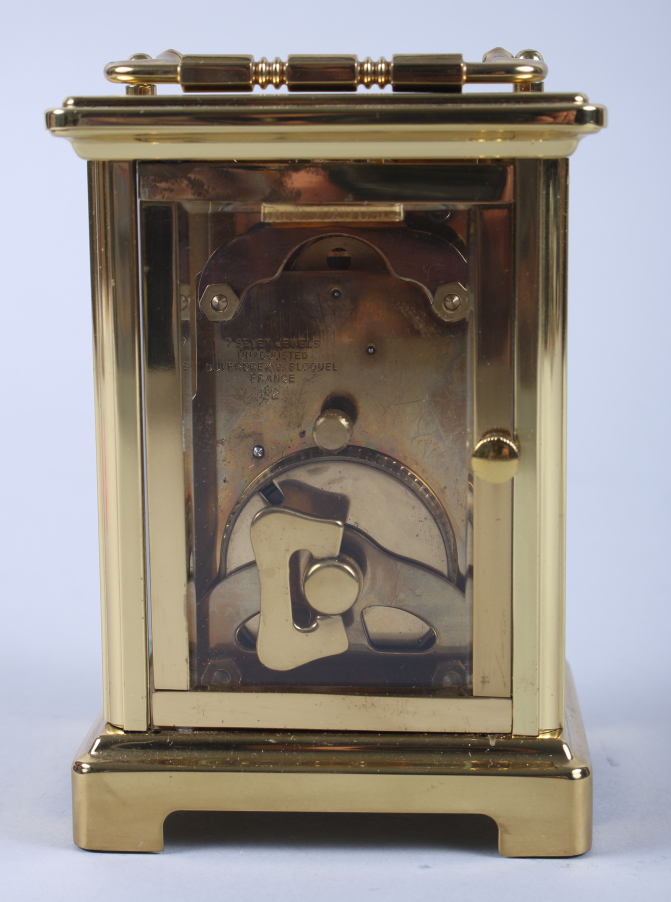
330, 383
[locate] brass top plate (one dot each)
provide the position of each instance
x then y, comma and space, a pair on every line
356, 126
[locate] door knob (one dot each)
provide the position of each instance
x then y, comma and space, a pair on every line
496, 458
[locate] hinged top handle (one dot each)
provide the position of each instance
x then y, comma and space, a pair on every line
440, 72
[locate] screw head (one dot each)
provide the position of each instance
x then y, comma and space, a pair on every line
219, 303
452, 302
335, 293
258, 451
370, 349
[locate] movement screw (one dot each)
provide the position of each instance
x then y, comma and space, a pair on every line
220, 303
452, 302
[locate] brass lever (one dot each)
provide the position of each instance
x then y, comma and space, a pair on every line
276, 534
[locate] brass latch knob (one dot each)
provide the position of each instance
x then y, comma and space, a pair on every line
496, 458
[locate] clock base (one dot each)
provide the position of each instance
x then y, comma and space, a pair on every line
537, 790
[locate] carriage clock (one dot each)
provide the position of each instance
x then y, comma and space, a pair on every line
329, 335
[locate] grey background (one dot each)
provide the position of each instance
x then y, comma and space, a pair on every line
619, 486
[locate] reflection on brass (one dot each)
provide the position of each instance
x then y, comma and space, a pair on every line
332, 430
140, 90
504, 57
493, 324
496, 458
276, 534
417, 72
219, 303
539, 791
121, 479
346, 127
528, 87
450, 301
321, 73
332, 585
332, 213
539, 552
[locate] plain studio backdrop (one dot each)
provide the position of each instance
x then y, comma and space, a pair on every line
619, 494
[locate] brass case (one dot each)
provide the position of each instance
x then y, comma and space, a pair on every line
511, 745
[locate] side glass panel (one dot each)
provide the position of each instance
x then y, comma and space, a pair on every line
325, 345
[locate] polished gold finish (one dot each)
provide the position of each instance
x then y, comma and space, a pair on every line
540, 425
536, 86
322, 73
437, 126
429, 72
141, 90
215, 73
498, 54
167, 561
494, 317
538, 791
419, 72
496, 458
267, 73
332, 430
121, 512
374, 73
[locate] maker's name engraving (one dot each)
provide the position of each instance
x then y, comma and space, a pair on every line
272, 344
268, 361
271, 372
